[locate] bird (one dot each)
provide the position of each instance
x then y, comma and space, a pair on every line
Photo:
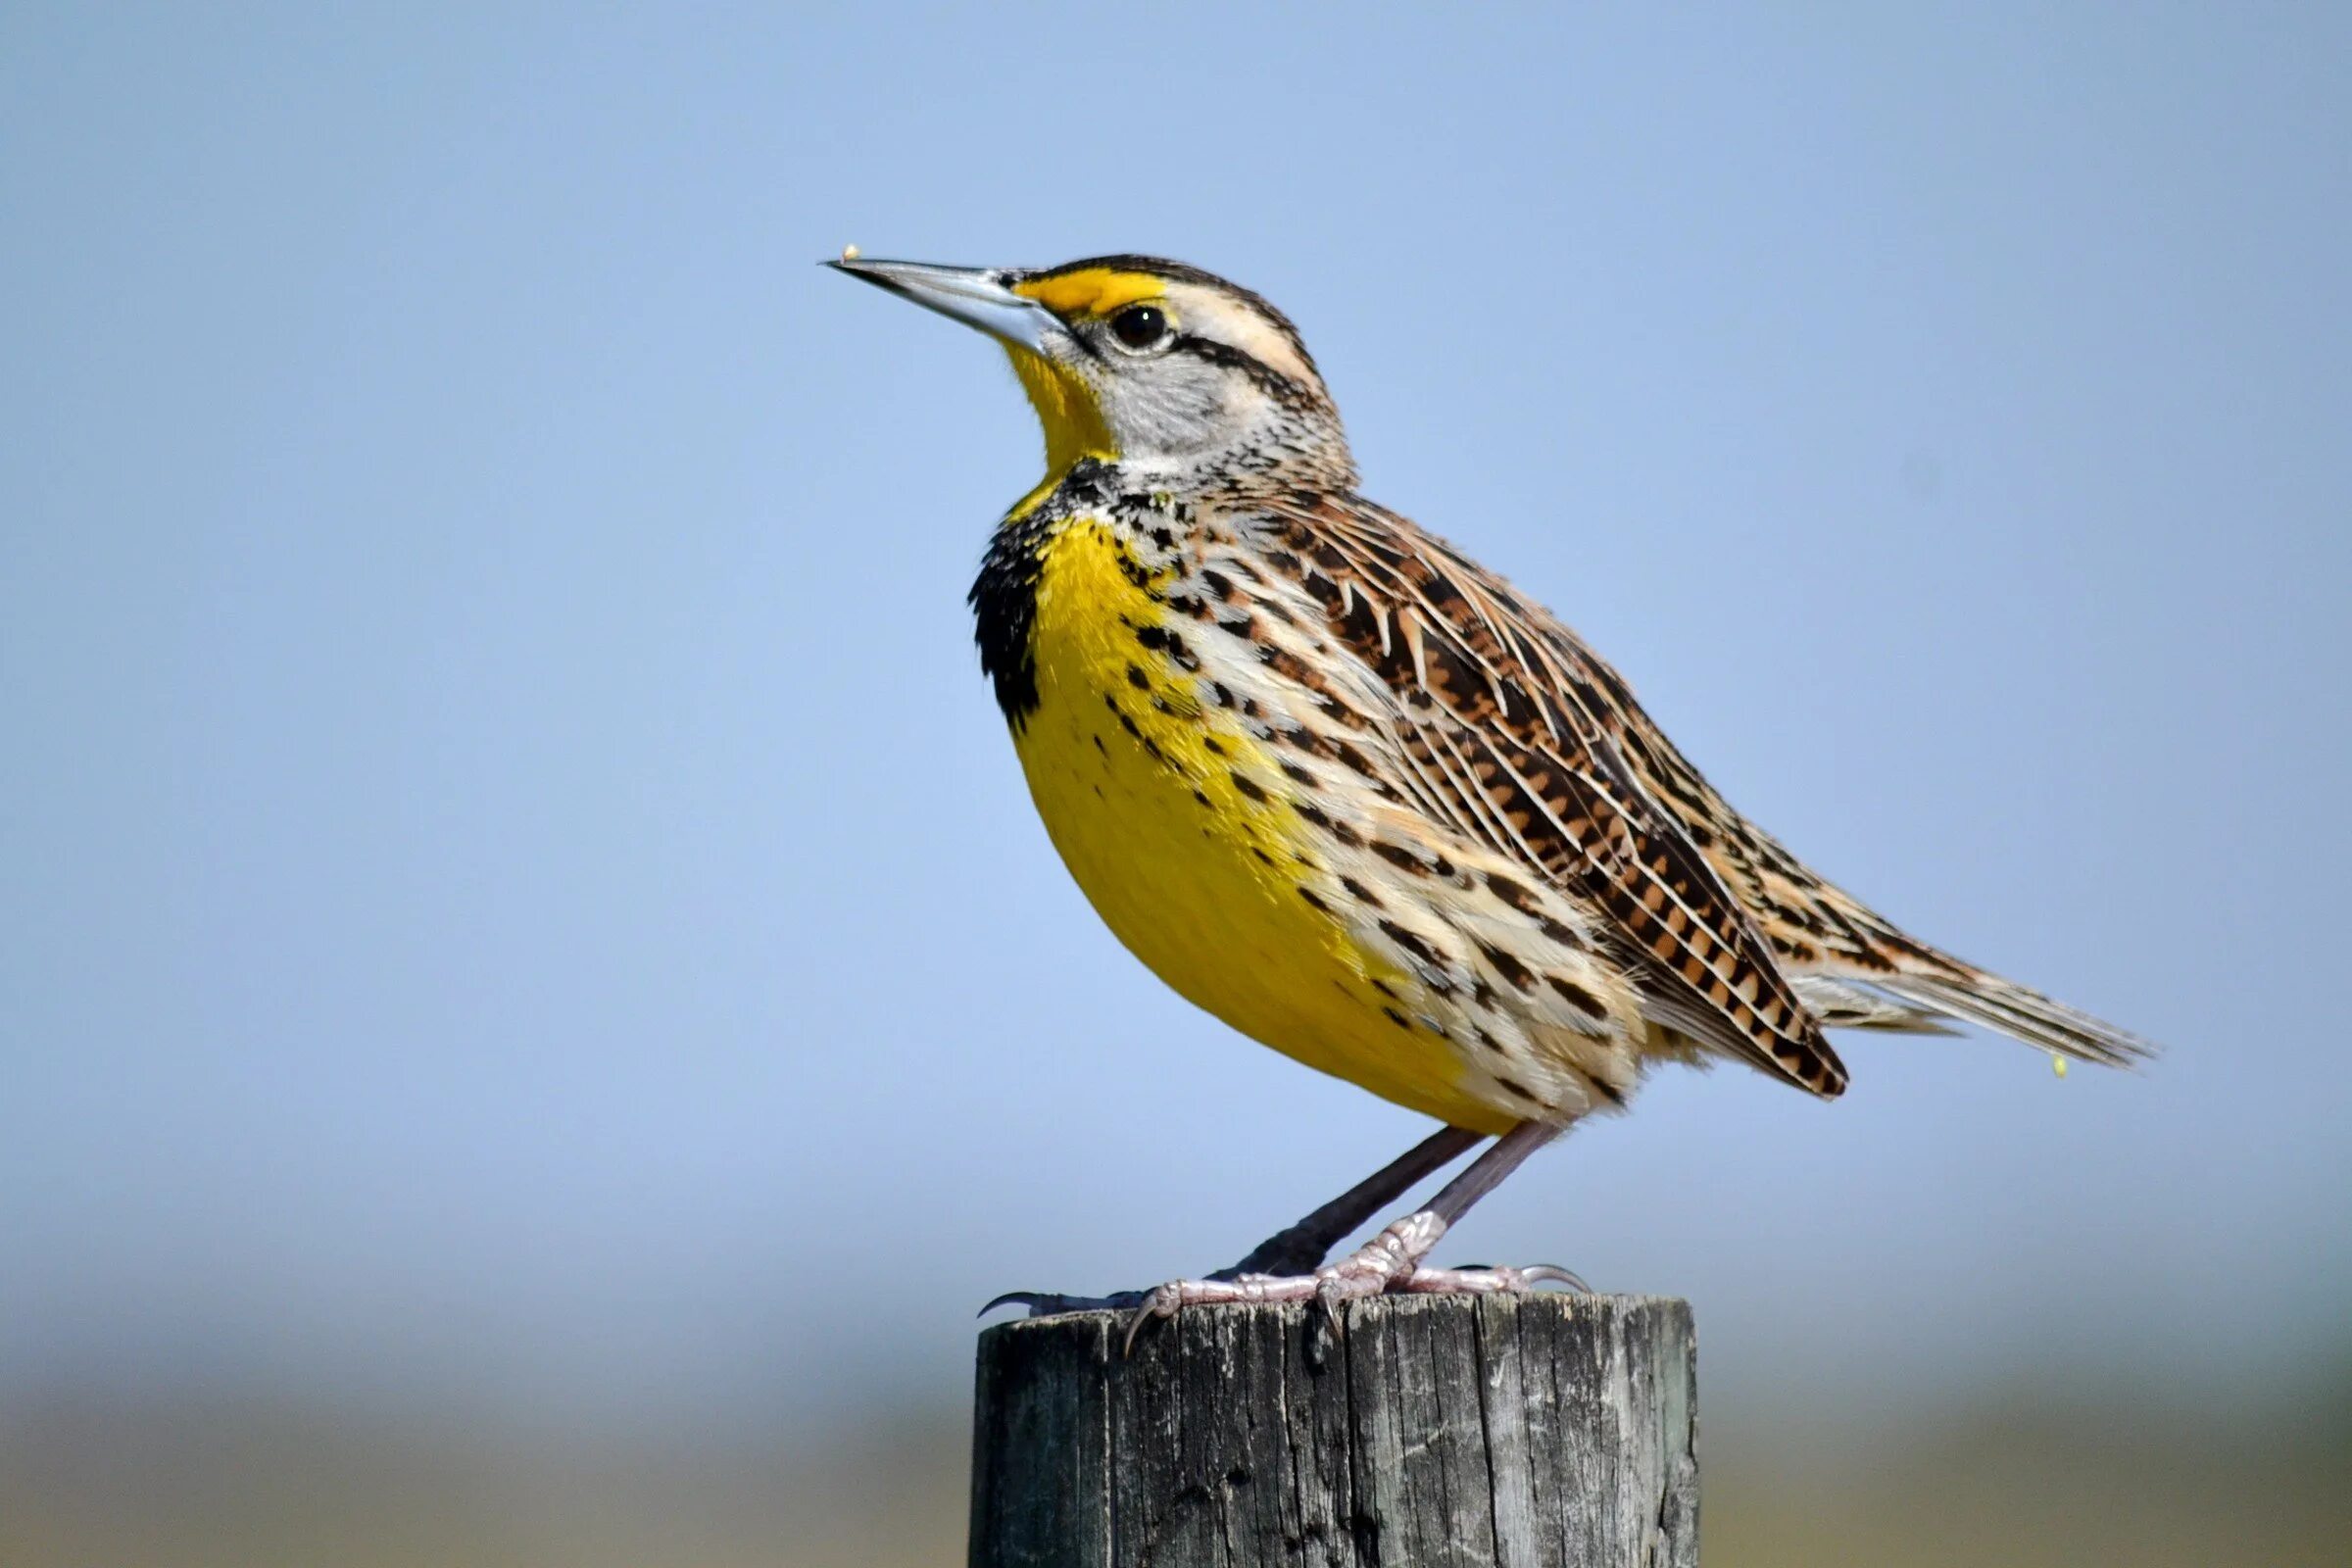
1365, 801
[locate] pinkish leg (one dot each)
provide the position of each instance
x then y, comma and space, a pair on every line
1391, 1260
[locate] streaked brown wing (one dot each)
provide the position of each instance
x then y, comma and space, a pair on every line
1517, 735
1812, 926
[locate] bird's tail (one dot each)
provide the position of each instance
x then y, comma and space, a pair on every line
1844, 1005
1962, 991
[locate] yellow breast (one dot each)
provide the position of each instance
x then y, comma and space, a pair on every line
1165, 812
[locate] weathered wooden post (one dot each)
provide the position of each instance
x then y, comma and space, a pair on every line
1434, 1431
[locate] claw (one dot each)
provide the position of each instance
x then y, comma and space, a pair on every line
1051, 1304
1480, 1279
1537, 1272
1162, 1302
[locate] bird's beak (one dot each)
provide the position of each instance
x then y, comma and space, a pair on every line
976, 296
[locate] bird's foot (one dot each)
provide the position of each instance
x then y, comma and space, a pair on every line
1051, 1304
1288, 1256
1390, 1261
1481, 1279
1366, 1272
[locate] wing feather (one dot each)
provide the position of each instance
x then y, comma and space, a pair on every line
1498, 710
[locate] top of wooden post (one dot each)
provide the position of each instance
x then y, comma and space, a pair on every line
1429, 1431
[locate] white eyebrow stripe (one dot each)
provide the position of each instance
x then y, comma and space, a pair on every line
1206, 313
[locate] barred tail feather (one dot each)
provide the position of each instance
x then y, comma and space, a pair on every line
2012, 1010
1841, 1005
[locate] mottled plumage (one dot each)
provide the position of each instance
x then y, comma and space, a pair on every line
1353, 793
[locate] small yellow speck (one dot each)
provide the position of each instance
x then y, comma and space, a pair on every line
2057, 1065
849, 252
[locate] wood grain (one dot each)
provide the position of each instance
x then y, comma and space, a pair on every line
1427, 1430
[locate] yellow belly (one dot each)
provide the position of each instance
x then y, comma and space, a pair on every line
1201, 880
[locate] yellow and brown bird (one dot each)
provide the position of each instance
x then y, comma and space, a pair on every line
1359, 797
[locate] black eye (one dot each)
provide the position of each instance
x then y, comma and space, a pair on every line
1139, 326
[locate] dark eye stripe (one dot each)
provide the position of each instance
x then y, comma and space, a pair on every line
1272, 381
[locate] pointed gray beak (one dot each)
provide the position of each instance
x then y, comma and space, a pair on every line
976, 296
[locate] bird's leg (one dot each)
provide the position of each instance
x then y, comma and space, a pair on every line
1391, 1260
1295, 1248
1300, 1247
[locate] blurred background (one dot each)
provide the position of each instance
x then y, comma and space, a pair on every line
533, 1005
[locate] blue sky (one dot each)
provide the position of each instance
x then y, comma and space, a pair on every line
516, 892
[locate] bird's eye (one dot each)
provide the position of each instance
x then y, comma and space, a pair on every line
1139, 326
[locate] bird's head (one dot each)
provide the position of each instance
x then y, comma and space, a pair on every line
1157, 366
